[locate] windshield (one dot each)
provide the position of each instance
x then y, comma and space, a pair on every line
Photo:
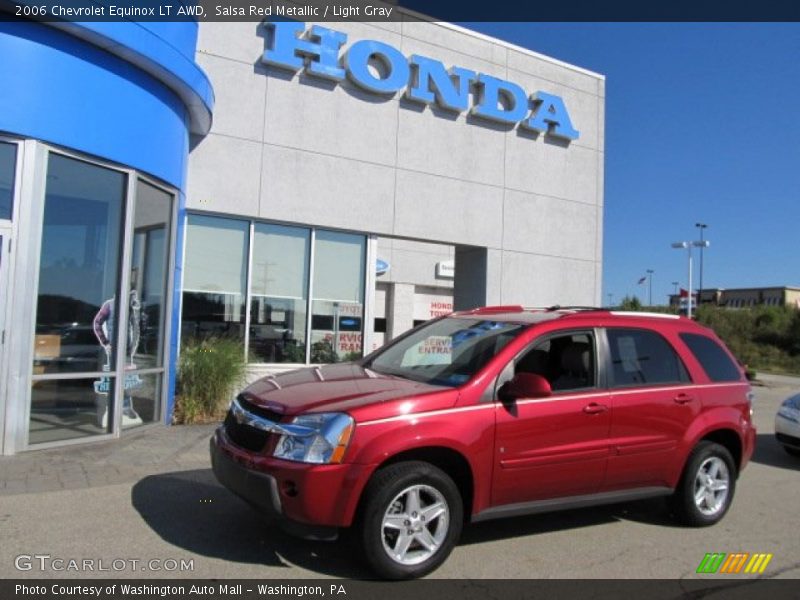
446, 352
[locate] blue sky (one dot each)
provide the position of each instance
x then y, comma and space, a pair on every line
702, 124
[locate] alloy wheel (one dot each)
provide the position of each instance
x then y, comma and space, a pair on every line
415, 524
711, 485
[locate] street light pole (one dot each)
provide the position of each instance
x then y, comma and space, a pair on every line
689, 246
650, 287
702, 227
690, 299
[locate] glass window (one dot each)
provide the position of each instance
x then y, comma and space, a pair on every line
640, 357
79, 267
566, 361
148, 294
279, 294
447, 352
65, 409
147, 297
8, 163
715, 361
78, 280
337, 309
142, 401
215, 277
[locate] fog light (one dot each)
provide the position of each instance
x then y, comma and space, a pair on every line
289, 488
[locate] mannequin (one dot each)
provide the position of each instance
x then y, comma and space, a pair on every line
103, 325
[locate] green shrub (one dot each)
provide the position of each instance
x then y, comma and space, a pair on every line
761, 337
322, 352
208, 372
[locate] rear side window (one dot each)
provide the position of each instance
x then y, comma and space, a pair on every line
715, 361
641, 357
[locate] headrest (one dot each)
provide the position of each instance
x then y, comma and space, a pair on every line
575, 358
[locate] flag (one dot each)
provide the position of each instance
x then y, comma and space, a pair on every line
641, 281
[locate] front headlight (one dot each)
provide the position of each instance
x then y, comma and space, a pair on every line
789, 413
319, 438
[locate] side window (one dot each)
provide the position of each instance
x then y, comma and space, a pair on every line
641, 357
566, 361
715, 361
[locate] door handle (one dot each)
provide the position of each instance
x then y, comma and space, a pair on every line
594, 408
683, 398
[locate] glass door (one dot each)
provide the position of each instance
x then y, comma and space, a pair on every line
147, 295
8, 169
75, 349
5, 239
101, 328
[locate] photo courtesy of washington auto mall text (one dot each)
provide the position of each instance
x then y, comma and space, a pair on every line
167, 589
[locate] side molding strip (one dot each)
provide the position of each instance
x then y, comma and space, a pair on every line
568, 502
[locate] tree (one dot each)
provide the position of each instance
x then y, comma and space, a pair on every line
630, 303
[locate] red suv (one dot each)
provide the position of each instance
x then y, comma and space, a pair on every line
490, 413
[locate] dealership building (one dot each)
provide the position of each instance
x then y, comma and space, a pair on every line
309, 191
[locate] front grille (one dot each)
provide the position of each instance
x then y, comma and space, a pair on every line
258, 410
246, 436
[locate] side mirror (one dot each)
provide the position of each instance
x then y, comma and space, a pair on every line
525, 385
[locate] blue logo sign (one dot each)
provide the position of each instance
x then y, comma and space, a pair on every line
381, 266
425, 80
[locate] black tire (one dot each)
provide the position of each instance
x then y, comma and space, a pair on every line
392, 488
792, 451
714, 504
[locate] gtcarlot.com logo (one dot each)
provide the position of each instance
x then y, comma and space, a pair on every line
735, 563
46, 562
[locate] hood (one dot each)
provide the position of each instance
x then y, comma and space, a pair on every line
333, 388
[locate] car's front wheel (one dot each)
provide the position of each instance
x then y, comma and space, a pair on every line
410, 520
706, 489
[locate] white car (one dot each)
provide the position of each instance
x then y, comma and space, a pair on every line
787, 425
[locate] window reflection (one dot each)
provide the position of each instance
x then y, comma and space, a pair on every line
77, 305
64, 409
8, 159
152, 224
215, 277
216, 280
279, 294
142, 401
337, 308
79, 266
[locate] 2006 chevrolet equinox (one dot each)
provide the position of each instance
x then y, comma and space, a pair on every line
489, 413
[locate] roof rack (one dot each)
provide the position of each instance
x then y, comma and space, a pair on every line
636, 313
556, 307
498, 309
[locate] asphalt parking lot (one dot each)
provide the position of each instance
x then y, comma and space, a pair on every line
153, 497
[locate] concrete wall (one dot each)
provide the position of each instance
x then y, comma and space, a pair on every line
414, 262
297, 149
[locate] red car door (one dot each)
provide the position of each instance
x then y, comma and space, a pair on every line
554, 446
653, 403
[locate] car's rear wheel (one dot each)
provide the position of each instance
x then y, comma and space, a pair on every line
410, 520
707, 485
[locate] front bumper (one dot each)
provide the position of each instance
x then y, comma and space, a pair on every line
258, 489
312, 500
787, 431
